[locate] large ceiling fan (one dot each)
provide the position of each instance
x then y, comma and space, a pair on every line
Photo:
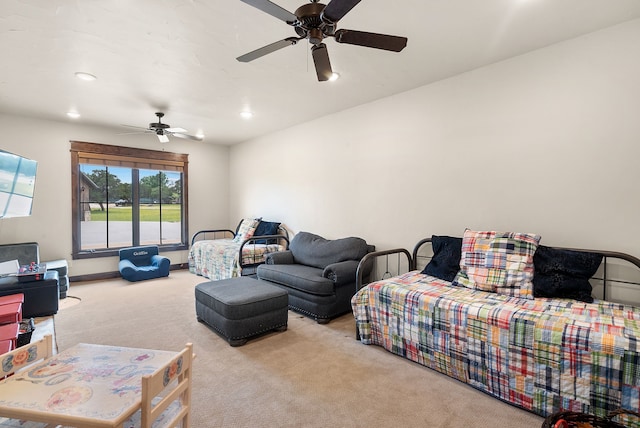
164, 130
316, 21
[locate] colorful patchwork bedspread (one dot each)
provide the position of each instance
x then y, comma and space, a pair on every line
543, 355
219, 258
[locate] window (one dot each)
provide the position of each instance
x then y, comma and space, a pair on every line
125, 197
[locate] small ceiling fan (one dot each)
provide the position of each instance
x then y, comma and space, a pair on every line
316, 21
164, 130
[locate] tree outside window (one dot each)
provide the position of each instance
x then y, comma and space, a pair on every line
119, 206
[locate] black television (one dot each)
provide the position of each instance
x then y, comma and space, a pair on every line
17, 185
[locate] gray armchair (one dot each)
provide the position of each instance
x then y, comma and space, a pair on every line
318, 274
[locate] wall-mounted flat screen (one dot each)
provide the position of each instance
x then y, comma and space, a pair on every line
17, 185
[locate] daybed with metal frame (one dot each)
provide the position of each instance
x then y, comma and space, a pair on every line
543, 354
222, 253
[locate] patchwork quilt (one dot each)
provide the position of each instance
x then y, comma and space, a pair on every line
543, 355
220, 258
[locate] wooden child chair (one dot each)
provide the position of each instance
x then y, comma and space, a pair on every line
166, 394
26, 355
18, 359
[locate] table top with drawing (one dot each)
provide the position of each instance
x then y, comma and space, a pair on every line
91, 385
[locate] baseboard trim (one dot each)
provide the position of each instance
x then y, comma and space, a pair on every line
110, 275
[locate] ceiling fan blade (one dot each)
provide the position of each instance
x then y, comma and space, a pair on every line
188, 137
134, 133
174, 130
321, 60
273, 10
137, 127
336, 9
371, 40
268, 49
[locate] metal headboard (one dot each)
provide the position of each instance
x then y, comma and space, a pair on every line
203, 235
602, 275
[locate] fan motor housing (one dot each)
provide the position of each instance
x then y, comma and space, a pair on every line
309, 14
310, 18
158, 126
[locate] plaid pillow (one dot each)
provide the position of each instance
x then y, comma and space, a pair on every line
498, 262
246, 229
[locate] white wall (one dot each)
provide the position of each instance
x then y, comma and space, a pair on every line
50, 222
547, 142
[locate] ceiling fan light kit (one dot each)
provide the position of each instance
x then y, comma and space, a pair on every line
316, 21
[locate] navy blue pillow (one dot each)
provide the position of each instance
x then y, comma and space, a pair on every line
266, 228
564, 273
445, 262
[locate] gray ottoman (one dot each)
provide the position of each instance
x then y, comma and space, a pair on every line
239, 308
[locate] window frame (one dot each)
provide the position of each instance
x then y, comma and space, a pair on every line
129, 157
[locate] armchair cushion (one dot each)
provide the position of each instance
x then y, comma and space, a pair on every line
299, 277
313, 250
342, 272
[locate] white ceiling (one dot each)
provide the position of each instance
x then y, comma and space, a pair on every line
178, 56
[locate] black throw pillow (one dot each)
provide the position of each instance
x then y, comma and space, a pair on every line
266, 228
564, 273
445, 262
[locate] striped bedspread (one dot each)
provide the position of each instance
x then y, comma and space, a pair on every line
543, 355
219, 258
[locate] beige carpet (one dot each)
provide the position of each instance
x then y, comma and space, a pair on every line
308, 376
46, 325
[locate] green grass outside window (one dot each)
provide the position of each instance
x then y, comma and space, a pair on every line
170, 213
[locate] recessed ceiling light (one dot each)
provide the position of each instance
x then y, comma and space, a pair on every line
334, 76
246, 114
73, 114
85, 76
